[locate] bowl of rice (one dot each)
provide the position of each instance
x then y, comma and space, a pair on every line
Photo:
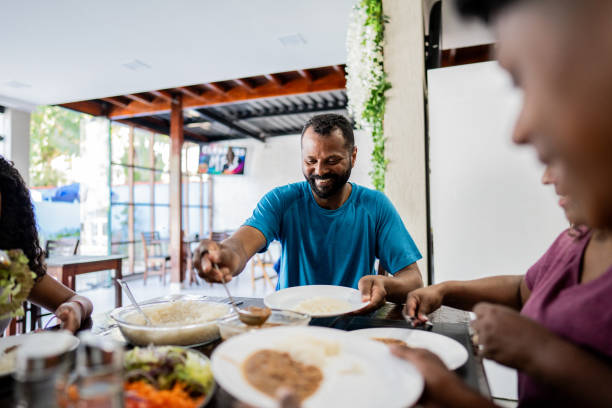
179, 322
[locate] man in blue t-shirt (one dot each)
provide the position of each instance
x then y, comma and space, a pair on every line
331, 230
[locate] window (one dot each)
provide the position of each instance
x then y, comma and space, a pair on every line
140, 163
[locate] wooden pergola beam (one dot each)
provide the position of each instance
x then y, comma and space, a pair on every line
115, 101
330, 82
165, 95
187, 91
215, 88
115, 108
305, 74
176, 185
274, 79
244, 84
140, 98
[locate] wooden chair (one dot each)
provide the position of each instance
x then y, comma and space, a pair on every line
155, 260
32, 318
262, 261
61, 247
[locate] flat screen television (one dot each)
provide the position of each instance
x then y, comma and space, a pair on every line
216, 159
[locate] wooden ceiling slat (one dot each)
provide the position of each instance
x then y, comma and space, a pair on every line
165, 95
189, 92
140, 98
215, 88
274, 79
244, 84
292, 83
305, 74
116, 101
91, 107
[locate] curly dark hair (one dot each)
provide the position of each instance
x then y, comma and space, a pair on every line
326, 123
17, 221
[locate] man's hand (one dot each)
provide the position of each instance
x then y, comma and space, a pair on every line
208, 254
422, 301
507, 337
373, 290
70, 315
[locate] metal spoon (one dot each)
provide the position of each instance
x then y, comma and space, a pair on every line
128, 292
251, 318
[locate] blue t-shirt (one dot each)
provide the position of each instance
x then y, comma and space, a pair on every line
332, 247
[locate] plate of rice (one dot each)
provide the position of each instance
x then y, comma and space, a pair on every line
317, 300
180, 322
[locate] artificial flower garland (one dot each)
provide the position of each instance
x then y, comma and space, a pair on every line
366, 80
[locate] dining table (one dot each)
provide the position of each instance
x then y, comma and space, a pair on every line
66, 268
446, 321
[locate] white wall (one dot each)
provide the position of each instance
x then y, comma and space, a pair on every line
17, 143
490, 213
269, 165
404, 121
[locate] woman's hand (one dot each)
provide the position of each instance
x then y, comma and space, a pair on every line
443, 388
506, 336
70, 314
423, 301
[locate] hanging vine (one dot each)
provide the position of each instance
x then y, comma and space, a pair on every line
366, 80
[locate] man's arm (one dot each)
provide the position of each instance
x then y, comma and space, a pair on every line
230, 255
404, 281
377, 289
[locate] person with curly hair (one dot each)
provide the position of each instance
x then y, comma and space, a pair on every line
18, 231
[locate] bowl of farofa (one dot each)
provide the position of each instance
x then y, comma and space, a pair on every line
231, 325
180, 322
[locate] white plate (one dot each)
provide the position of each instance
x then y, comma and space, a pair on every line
70, 342
450, 351
288, 299
364, 373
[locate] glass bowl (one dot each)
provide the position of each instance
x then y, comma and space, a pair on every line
231, 325
137, 332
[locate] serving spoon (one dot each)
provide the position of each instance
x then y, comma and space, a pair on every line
128, 292
251, 316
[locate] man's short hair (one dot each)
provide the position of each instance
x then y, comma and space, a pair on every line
485, 10
326, 123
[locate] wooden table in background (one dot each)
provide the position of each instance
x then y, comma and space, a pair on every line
66, 268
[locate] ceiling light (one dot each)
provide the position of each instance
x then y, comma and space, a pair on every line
136, 65
292, 40
17, 84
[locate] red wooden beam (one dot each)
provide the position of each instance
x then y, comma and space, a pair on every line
165, 95
176, 184
215, 87
91, 107
244, 84
274, 79
333, 80
305, 74
140, 98
115, 101
189, 92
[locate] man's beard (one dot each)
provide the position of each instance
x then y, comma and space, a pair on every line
334, 187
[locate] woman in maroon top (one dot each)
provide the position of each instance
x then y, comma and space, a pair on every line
567, 282
560, 53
